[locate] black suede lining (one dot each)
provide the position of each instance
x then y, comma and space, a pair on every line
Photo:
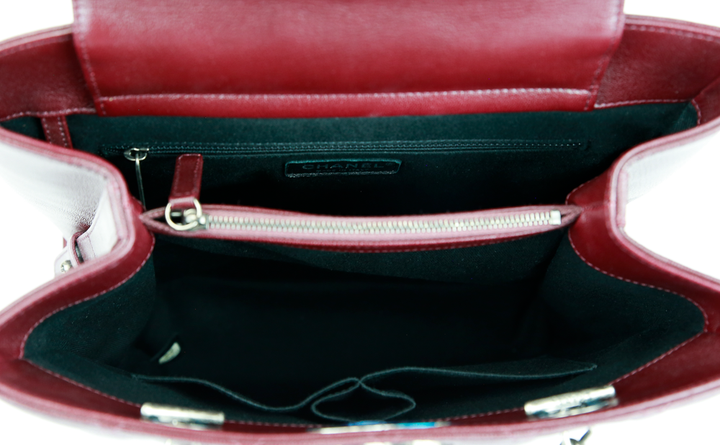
280, 334
448, 163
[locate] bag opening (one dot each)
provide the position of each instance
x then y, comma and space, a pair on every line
296, 336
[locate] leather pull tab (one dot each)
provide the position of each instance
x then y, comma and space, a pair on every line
186, 181
334, 58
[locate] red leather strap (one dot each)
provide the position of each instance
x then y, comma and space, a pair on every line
40, 76
329, 57
56, 131
186, 181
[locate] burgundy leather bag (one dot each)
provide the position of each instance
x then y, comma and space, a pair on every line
411, 223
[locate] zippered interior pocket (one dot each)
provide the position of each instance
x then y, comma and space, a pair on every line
402, 165
370, 178
186, 216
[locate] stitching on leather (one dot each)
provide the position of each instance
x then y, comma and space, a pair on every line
666, 354
30, 45
86, 239
626, 250
472, 416
440, 144
48, 133
358, 95
48, 113
705, 316
595, 85
289, 425
698, 110
91, 168
478, 243
196, 178
87, 278
80, 385
647, 365
428, 248
99, 173
567, 198
51, 130
663, 30
61, 125
641, 101
79, 15
176, 179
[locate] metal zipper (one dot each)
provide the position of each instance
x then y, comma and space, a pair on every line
195, 219
262, 148
382, 227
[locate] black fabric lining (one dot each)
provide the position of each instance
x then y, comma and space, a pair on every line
274, 334
28, 126
173, 339
385, 404
449, 163
444, 265
295, 336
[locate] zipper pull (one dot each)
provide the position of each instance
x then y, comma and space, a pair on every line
183, 211
137, 155
555, 218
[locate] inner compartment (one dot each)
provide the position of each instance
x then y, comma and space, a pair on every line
293, 336
271, 333
444, 163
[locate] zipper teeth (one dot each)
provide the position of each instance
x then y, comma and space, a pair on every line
511, 221
370, 146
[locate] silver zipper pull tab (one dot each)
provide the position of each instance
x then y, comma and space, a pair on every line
183, 211
188, 219
137, 155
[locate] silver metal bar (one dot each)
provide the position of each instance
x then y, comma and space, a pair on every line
572, 403
181, 417
137, 155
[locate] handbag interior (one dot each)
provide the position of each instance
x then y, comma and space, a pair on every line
293, 336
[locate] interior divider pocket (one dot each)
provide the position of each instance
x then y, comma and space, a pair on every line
366, 178
386, 394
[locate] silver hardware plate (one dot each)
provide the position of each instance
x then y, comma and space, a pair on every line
66, 266
572, 403
181, 417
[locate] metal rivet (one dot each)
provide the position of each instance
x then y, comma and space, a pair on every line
65, 266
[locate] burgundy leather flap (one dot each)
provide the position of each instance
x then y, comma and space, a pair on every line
138, 53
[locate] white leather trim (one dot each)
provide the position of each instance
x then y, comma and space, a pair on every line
102, 236
68, 194
647, 172
72, 196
